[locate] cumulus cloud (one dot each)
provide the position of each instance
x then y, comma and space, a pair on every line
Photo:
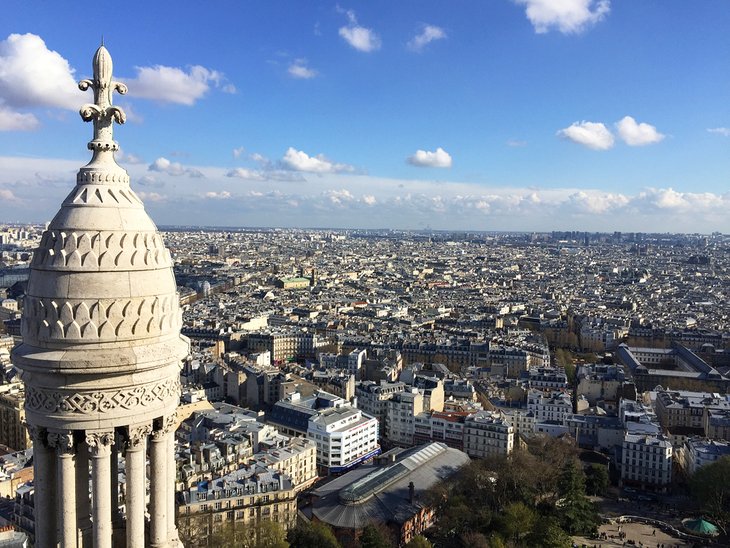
238, 151
369, 199
31, 75
637, 134
298, 160
223, 195
360, 38
299, 69
17, 121
594, 135
428, 34
175, 85
127, 158
425, 158
724, 131
567, 16
7, 195
163, 165
151, 196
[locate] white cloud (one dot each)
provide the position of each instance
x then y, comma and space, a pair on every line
163, 165
369, 199
425, 158
593, 135
637, 134
151, 196
17, 121
428, 34
31, 75
298, 160
7, 195
724, 131
567, 16
238, 151
174, 85
244, 173
360, 38
127, 158
299, 69
516, 143
223, 195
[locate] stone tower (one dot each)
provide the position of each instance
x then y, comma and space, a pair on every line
101, 356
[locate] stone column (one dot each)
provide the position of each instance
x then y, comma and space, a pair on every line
63, 441
100, 445
159, 447
171, 473
44, 497
114, 471
135, 465
83, 505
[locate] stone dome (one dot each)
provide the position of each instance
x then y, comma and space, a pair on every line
101, 317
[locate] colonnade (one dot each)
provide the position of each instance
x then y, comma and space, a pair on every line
65, 461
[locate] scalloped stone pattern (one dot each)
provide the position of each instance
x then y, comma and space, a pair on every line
104, 195
103, 320
78, 251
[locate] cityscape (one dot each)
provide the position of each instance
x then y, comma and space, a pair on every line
365, 276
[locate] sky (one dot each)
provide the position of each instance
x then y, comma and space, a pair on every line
487, 115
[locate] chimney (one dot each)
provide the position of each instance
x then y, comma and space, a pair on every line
411, 492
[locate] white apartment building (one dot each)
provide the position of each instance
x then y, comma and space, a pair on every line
400, 419
487, 434
646, 461
345, 437
549, 406
521, 419
698, 452
373, 398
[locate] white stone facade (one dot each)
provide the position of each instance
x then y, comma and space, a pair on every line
101, 354
646, 462
345, 436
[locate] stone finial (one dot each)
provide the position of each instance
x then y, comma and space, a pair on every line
102, 112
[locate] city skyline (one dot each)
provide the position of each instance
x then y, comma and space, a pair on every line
512, 115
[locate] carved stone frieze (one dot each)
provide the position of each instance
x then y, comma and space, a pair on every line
78, 250
99, 320
85, 177
102, 401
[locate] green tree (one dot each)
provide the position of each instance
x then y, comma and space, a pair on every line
517, 520
577, 514
312, 535
596, 479
263, 534
710, 487
419, 541
375, 537
548, 534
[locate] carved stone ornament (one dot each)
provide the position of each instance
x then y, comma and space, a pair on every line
105, 319
102, 112
136, 436
38, 434
168, 425
62, 440
103, 401
100, 443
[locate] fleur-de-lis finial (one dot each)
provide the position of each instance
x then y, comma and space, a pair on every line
102, 112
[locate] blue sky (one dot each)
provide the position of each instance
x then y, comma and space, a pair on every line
484, 115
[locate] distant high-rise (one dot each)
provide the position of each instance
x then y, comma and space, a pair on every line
101, 355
